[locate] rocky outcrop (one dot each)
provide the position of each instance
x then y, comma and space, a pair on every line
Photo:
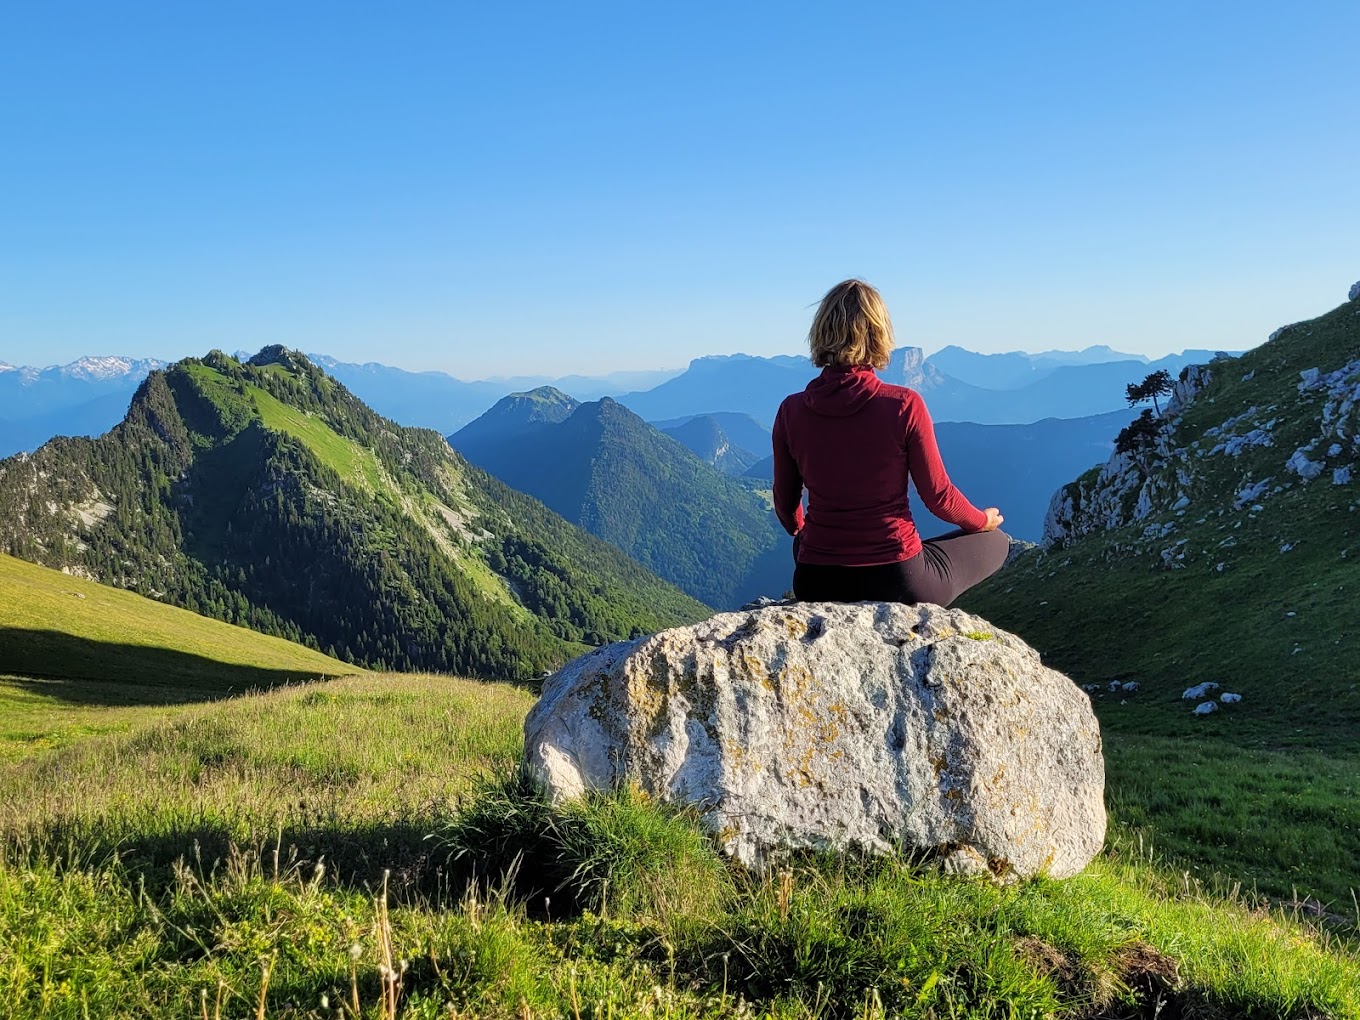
1193, 379
822, 725
1354, 293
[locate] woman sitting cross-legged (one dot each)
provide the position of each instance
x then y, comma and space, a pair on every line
852, 441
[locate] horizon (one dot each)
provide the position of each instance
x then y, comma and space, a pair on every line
471, 191
7, 365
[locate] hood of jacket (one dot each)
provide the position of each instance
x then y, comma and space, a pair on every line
839, 392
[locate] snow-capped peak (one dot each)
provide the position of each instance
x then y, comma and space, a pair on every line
107, 367
7, 367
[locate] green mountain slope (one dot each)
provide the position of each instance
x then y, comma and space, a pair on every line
618, 477
265, 494
1204, 556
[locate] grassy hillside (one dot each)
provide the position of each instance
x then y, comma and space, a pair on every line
307, 853
71, 649
1258, 595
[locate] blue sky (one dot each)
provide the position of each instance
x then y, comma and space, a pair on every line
505, 189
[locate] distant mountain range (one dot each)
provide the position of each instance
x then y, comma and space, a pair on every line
603, 467
1035, 387
85, 397
265, 494
436, 400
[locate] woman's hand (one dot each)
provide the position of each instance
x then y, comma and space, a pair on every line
994, 519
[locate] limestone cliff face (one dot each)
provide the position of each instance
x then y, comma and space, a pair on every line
873, 725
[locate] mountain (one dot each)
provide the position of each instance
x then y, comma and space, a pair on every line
26, 391
1014, 467
85, 397
1017, 467
439, 401
608, 470
428, 400
265, 494
707, 438
755, 386
1217, 549
513, 416
1014, 369
92, 418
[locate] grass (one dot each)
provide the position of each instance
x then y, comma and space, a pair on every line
72, 651
354, 464
269, 854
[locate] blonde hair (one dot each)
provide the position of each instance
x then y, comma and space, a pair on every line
851, 327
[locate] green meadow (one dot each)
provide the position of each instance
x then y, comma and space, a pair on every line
213, 842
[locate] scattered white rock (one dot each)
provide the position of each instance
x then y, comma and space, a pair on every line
1342, 476
1251, 493
1200, 690
1300, 465
1131, 686
1181, 503
1206, 707
1310, 377
1229, 699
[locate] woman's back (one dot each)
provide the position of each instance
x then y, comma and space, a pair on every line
853, 440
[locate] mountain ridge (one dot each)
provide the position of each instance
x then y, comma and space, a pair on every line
265, 493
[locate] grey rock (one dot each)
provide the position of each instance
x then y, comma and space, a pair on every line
1311, 377
830, 726
1300, 465
1341, 476
1206, 708
1193, 379
1200, 690
1354, 293
1229, 699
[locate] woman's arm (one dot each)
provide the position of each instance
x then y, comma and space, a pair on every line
932, 481
788, 483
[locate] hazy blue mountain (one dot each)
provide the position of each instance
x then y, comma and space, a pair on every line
92, 418
1014, 369
591, 387
431, 400
27, 391
606, 469
511, 417
741, 429
755, 386
1014, 467
437, 400
704, 436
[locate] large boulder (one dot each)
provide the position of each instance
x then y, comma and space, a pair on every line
824, 725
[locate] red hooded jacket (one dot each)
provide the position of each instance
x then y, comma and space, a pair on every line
852, 440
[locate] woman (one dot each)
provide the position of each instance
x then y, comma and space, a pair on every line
852, 440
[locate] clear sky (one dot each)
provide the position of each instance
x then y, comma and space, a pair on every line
515, 188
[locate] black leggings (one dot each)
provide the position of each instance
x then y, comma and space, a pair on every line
943, 570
